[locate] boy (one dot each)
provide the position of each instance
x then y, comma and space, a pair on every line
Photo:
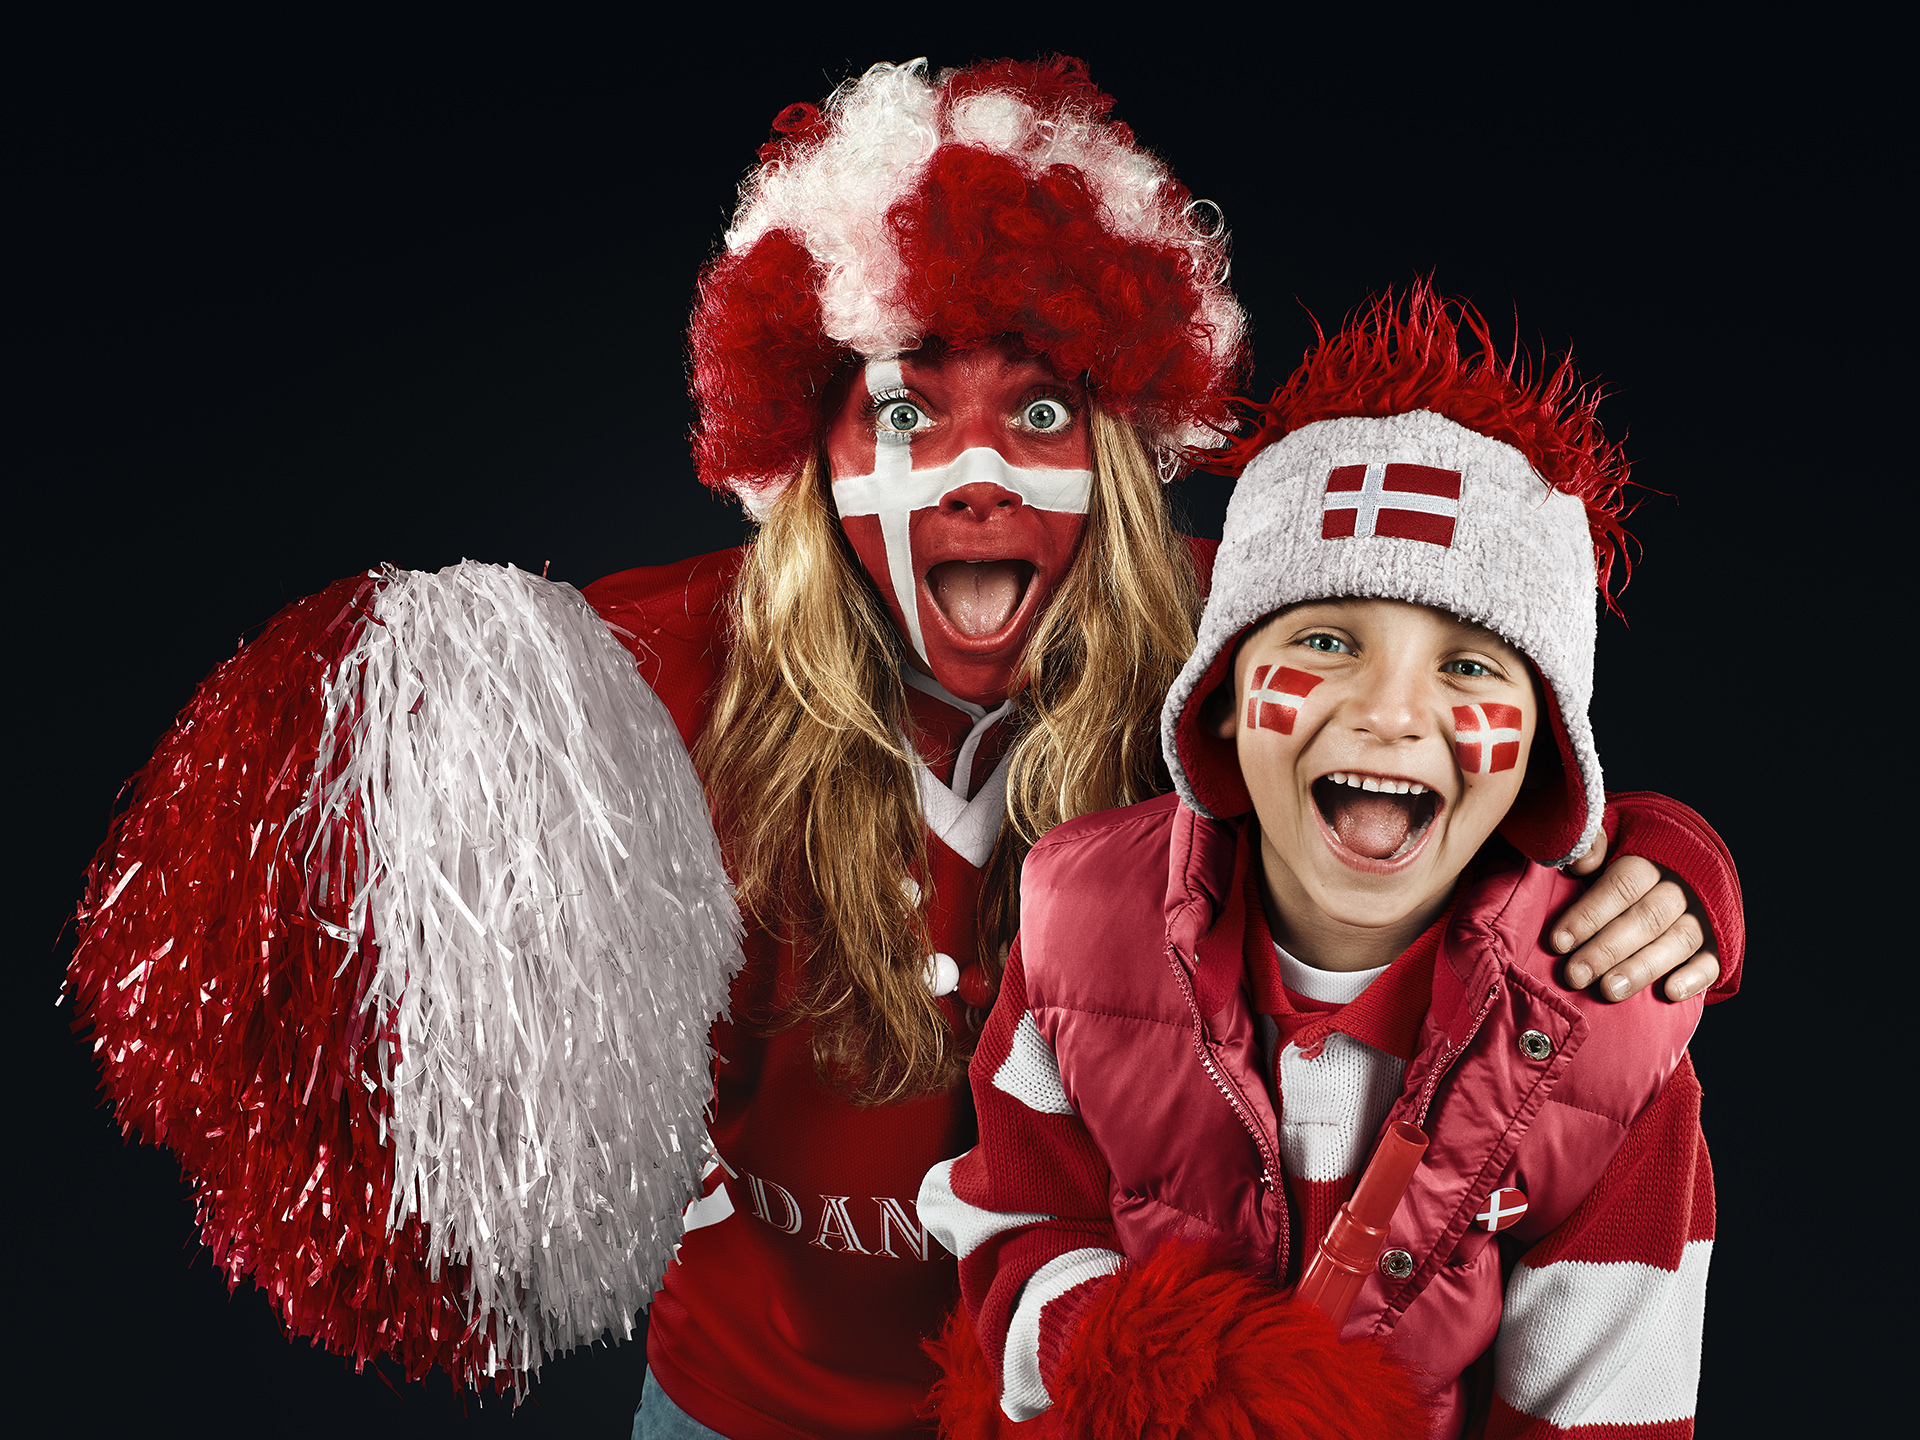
1208, 1019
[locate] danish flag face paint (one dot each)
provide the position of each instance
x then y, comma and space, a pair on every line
1274, 695
1486, 738
962, 483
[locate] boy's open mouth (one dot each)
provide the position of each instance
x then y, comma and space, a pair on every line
979, 597
1377, 816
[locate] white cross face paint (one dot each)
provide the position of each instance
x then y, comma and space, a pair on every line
963, 484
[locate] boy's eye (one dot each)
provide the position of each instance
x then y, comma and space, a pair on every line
1471, 669
1046, 416
1327, 644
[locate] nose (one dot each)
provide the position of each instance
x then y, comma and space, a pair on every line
1389, 706
979, 499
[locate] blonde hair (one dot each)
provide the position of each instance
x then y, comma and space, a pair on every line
812, 784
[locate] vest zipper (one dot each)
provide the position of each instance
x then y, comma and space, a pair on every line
1269, 1161
1446, 1061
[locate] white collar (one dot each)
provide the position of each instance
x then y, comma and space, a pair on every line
968, 826
1329, 987
983, 721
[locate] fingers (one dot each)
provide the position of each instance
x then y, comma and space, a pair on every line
1627, 881
1698, 974
1642, 964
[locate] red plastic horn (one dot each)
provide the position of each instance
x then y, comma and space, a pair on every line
1359, 1232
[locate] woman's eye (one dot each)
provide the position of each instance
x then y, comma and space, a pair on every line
901, 416
1327, 644
1046, 416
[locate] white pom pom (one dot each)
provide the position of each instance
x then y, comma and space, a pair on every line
556, 933
943, 974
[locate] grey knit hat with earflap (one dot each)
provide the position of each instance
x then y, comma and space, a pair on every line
1407, 507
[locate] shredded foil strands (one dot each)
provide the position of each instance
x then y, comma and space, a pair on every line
555, 931
543, 1075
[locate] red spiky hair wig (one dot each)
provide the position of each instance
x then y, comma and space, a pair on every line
1000, 200
1428, 352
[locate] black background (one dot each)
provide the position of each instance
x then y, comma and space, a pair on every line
304, 294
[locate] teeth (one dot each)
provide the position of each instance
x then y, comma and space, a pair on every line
1370, 782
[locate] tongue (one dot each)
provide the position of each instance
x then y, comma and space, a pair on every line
1373, 825
978, 597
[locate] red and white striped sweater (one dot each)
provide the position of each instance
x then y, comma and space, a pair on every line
1114, 1092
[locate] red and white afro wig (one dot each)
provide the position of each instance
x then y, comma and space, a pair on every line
999, 200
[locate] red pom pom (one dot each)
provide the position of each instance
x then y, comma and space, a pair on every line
1181, 1346
975, 988
966, 1397
225, 1006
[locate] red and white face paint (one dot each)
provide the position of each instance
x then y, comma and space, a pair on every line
1274, 696
1486, 738
962, 483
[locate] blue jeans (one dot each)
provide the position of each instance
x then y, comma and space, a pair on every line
658, 1418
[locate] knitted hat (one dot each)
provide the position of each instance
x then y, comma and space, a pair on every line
992, 201
1359, 486
1411, 507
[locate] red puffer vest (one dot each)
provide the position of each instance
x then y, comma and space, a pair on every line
1516, 1080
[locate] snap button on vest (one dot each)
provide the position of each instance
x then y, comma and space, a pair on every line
1534, 1045
1396, 1264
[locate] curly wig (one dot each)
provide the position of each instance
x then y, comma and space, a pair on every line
1000, 200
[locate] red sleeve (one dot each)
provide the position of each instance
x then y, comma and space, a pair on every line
1639, 822
673, 619
1601, 1325
1028, 1203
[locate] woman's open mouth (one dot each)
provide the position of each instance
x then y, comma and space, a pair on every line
979, 598
1375, 818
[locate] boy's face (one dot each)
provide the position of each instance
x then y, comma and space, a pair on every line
1381, 742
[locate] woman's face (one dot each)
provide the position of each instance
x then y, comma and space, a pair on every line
962, 482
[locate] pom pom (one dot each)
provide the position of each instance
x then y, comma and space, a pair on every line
224, 992
408, 945
966, 1397
1181, 1346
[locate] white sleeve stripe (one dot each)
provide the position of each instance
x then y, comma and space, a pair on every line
961, 1227
1022, 1396
1587, 1343
1030, 1074
704, 1210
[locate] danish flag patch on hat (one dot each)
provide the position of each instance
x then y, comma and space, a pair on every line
1406, 502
